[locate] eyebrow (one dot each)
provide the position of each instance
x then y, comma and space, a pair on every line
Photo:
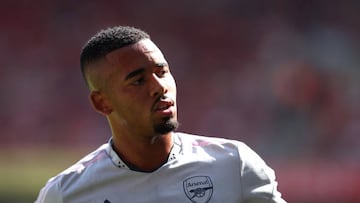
160, 65
135, 73
141, 70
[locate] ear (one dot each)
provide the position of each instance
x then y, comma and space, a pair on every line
100, 103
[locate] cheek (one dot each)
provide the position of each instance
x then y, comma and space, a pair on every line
121, 102
172, 84
129, 110
134, 104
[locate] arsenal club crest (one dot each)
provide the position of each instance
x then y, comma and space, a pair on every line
198, 189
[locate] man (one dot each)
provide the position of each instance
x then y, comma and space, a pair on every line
146, 160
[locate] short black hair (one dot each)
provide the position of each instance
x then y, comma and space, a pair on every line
108, 40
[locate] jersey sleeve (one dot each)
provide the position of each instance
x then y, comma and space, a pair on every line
257, 179
50, 193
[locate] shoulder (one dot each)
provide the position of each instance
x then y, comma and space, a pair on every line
221, 149
56, 186
50, 193
258, 182
211, 142
219, 146
91, 160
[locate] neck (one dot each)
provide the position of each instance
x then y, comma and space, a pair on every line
147, 154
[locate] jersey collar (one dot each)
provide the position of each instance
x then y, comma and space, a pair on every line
174, 153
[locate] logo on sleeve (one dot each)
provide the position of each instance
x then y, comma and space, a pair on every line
198, 189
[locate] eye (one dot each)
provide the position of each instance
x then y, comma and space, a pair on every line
139, 81
162, 72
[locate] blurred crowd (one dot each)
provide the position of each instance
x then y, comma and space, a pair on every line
282, 76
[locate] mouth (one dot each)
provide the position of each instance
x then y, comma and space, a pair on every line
163, 105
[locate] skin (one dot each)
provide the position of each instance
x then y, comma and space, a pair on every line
133, 87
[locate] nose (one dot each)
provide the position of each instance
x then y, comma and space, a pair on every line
158, 86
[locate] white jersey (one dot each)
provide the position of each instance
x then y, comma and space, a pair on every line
199, 170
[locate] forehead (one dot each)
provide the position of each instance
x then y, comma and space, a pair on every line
121, 62
140, 52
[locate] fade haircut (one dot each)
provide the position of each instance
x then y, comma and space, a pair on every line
107, 41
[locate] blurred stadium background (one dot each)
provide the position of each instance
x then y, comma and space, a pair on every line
282, 76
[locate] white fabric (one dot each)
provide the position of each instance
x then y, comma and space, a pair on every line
199, 169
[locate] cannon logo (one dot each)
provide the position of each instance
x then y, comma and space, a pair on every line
198, 189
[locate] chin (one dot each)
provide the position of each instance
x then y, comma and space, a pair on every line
168, 126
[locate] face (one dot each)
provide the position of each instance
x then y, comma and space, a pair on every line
138, 92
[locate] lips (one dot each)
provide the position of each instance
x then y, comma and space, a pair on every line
163, 105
